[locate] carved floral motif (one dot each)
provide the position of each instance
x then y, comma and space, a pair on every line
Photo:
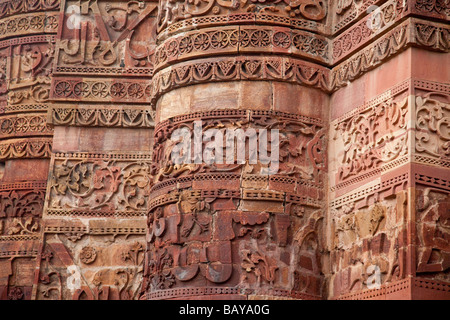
100, 185
439, 6
23, 6
18, 204
373, 137
433, 126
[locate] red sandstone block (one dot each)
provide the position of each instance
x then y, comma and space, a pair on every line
263, 206
225, 204
219, 182
224, 227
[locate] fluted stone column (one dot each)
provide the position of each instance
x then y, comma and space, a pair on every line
231, 230
27, 44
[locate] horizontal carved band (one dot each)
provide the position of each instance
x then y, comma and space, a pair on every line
134, 226
243, 115
431, 161
101, 90
19, 238
22, 108
432, 284
200, 196
249, 181
365, 29
386, 289
349, 11
8, 7
286, 16
301, 151
186, 292
103, 117
95, 213
242, 40
26, 148
431, 86
28, 24
97, 231
431, 176
411, 32
373, 25
105, 71
19, 253
232, 69
394, 182
404, 86
104, 156
18, 126
434, 8
207, 291
375, 191
419, 178
24, 185
27, 40
371, 174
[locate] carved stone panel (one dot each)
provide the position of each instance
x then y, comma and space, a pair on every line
353, 203
27, 47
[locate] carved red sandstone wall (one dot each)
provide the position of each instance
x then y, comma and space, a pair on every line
99, 176
91, 207
227, 229
27, 45
386, 156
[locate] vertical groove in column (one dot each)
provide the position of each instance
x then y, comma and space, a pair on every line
230, 230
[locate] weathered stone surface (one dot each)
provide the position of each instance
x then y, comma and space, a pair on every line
92, 205
27, 47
